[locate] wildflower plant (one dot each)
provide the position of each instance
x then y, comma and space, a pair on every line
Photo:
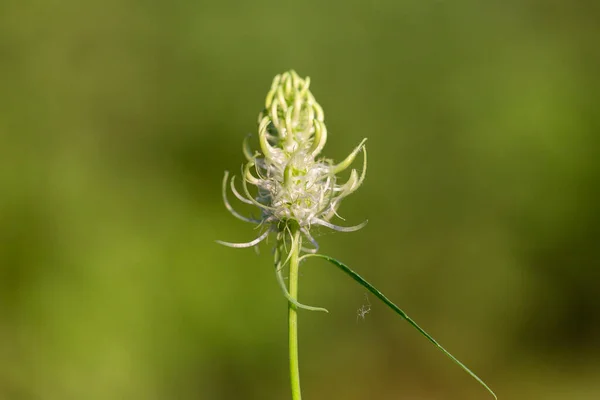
295, 190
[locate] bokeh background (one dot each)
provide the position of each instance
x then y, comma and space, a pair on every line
118, 118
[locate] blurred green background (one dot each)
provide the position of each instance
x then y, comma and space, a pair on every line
118, 118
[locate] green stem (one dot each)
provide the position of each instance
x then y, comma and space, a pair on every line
293, 316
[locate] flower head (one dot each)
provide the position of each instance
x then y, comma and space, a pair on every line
295, 188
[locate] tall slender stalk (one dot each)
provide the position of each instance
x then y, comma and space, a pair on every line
293, 317
296, 189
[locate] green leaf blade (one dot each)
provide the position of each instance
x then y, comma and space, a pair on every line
402, 314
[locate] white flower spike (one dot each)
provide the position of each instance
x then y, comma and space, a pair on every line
294, 187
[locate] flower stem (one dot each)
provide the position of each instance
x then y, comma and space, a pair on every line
293, 316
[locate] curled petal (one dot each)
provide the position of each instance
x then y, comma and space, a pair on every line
333, 211
266, 148
317, 107
346, 163
311, 114
350, 185
246, 149
289, 127
288, 83
228, 206
281, 99
248, 244
273, 113
329, 225
311, 240
271, 93
237, 194
363, 174
248, 176
320, 138
296, 80
297, 107
304, 89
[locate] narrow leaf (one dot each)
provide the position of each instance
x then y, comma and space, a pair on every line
394, 307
